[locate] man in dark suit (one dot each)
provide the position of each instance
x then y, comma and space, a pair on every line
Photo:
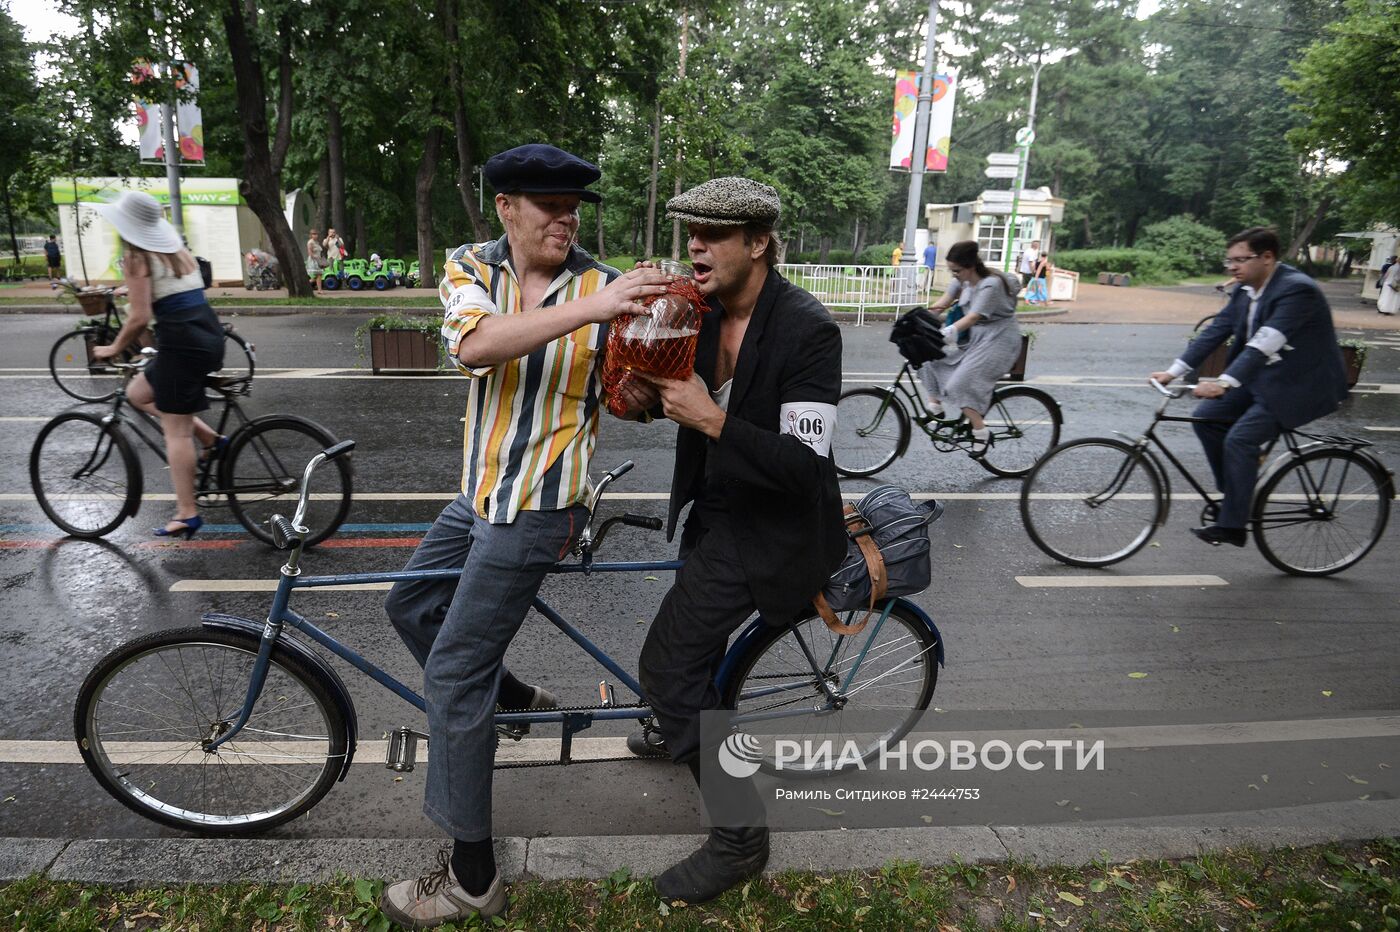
1285, 370
753, 460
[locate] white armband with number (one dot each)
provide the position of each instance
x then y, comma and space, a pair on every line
1269, 341
809, 421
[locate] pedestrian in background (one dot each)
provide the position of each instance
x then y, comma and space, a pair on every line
55, 261
1389, 301
1027, 261
335, 246
930, 264
315, 257
897, 256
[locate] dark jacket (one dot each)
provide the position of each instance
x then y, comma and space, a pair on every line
781, 497
1308, 380
52, 254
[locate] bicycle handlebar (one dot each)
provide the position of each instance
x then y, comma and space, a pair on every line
1168, 392
325, 456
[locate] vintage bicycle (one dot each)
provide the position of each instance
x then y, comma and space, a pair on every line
87, 475
87, 379
874, 424
234, 725
1319, 507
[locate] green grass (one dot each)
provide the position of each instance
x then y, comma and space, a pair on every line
1336, 887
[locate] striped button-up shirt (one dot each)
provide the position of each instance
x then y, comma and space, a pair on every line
531, 422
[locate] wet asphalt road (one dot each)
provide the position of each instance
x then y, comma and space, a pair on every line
1264, 646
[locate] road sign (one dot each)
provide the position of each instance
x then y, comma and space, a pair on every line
1003, 158
996, 197
1025, 136
1001, 171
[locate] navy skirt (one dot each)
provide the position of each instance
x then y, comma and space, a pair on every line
190, 341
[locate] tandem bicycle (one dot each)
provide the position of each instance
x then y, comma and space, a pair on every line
234, 725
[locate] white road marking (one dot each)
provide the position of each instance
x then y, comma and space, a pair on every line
529, 750
263, 585
1113, 582
1369, 427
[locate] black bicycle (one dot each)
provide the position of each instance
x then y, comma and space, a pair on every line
1318, 508
88, 478
873, 427
87, 379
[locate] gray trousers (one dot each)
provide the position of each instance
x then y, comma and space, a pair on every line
458, 630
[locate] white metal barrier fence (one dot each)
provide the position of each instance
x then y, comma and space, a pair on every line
863, 287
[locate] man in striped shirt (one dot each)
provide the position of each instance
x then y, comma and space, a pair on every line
525, 319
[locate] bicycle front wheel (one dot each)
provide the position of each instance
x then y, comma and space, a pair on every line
149, 710
85, 475
77, 373
1093, 502
880, 681
1025, 424
1322, 512
872, 429
261, 475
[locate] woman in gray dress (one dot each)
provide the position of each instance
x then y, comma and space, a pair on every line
961, 383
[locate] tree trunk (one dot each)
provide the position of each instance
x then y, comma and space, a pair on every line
1088, 233
602, 245
650, 242
680, 150
858, 245
283, 137
335, 152
323, 195
260, 186
466, 159
1295, 248
10, 219
423, 201
361, 244
823, 249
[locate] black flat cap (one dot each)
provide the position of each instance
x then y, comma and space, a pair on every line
537, 168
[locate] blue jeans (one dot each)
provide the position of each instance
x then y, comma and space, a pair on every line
458, 630
1233, 449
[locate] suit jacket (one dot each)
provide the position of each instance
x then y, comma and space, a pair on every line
1303, 379
782, 497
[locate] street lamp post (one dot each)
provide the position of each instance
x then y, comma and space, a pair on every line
1023, 165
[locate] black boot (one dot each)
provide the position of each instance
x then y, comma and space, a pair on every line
727, 858
732, 853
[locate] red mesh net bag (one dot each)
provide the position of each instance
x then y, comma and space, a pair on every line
662, 345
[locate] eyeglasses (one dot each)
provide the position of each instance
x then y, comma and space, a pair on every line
1231, 261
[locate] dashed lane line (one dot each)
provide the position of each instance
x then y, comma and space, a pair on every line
1113, 582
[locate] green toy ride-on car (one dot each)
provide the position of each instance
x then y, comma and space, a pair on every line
356, 275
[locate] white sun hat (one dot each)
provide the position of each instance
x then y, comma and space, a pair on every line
141, 222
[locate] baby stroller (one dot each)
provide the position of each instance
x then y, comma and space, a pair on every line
263, 272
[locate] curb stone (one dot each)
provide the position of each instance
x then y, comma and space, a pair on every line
144, 862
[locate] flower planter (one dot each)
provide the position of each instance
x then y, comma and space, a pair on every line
404, 350
1018, 368
1353, 360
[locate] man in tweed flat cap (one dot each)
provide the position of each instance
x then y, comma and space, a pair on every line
764, 532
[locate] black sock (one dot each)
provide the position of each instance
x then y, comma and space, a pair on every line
514, 694
474, 863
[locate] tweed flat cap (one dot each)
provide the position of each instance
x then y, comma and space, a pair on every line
726, 202
537, 168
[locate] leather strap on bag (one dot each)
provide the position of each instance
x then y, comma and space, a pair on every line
874, 565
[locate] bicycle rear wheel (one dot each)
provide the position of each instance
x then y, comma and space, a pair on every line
85, 475
776, 689
1025, 424
1093, 502
148, 710
1322, 512
261, 475
872, 429
74, 370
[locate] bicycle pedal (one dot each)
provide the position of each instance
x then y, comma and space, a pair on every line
402, 755
605, 694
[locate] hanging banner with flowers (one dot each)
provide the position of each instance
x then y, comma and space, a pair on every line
940, 129
149, 114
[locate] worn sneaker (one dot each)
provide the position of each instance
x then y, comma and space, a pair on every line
542, 699
436, 898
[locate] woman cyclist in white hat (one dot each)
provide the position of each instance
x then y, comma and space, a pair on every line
163, 280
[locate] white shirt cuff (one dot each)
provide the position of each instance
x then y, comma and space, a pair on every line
1229, 380
1177, 369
